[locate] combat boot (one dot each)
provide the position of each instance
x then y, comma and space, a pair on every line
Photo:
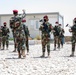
19, 54
23, 53
48, 54
43, 55
72, 54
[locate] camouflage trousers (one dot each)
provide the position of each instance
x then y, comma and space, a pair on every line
0, 41
57, 40
73, 40
46, 43
27, 45
5, 40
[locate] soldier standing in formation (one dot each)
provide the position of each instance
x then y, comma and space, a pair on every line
26, 34
18, 32
5, 36
0, 36
56, 32
62, 37
45, 28
73, 39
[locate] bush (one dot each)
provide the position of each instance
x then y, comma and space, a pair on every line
37, 38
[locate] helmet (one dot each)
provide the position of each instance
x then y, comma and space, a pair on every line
4, 23
56, 22
23, 20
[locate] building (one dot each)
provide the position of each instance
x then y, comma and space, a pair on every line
32, 21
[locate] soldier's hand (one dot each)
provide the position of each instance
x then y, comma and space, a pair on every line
0, 30
42, 26
23, 10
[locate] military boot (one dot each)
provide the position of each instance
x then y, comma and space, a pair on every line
48, 54
19, 54
72, 54
23, 53
43, 55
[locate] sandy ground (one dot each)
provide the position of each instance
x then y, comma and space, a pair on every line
58, 64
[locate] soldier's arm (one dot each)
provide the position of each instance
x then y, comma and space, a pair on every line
23, 15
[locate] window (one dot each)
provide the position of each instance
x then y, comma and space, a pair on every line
34, 24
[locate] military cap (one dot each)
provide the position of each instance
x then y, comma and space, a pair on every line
45, 17
56, 22
16, 11
23, 20
75, 19
4, 23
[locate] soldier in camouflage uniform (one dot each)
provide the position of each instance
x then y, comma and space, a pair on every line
56, 32
5, 36
62, 37
0, 36
13, 27
73, 40
26, 34
45, 28
18, 32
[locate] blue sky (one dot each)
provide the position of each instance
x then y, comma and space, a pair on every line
65, 7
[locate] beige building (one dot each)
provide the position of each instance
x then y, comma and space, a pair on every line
32, 21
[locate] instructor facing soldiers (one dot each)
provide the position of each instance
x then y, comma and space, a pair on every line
45, 29
18, 32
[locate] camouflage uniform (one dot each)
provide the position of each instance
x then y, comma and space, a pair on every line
62, 37
18, 32
56, 33
13, 22
0, 36
26, 34
73, 39
20, 37
5, 36
45, 29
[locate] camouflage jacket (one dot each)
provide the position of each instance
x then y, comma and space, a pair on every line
73, 28
45, 28
26, 31
5, 31
57, 30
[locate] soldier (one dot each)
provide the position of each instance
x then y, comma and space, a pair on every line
73, 40
26, 34
15, 13
62, 37
0, 36
18, 32
5, 36
56, 32
45, 28
12, 26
